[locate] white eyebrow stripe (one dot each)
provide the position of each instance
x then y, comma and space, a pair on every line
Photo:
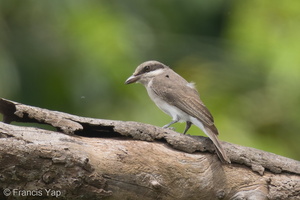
156, 72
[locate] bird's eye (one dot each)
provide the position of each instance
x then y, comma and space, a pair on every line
147, 68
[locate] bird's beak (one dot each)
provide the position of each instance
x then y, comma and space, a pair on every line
132, 79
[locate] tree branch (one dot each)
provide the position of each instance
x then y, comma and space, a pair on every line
96, 158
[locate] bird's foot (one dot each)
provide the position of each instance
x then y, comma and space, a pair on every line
170, 128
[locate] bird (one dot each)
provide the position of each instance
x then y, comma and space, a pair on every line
178, 98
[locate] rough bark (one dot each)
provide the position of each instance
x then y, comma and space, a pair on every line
106, 159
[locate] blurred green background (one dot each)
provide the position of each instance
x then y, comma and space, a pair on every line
74, 56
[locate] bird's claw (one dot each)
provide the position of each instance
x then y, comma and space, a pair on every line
170, 128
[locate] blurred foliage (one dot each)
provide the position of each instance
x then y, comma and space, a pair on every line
74, 56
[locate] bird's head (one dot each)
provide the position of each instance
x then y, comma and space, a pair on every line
146, 71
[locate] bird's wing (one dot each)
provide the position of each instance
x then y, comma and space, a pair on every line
183, 96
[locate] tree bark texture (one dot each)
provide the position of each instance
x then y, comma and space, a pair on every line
86, 158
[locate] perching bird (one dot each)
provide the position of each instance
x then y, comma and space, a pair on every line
177, 98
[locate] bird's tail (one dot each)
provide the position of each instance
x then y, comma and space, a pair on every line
212, 133
219, 149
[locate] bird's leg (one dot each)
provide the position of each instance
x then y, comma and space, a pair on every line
187, 127
169, 124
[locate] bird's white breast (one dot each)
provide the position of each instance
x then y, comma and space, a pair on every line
169, 109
